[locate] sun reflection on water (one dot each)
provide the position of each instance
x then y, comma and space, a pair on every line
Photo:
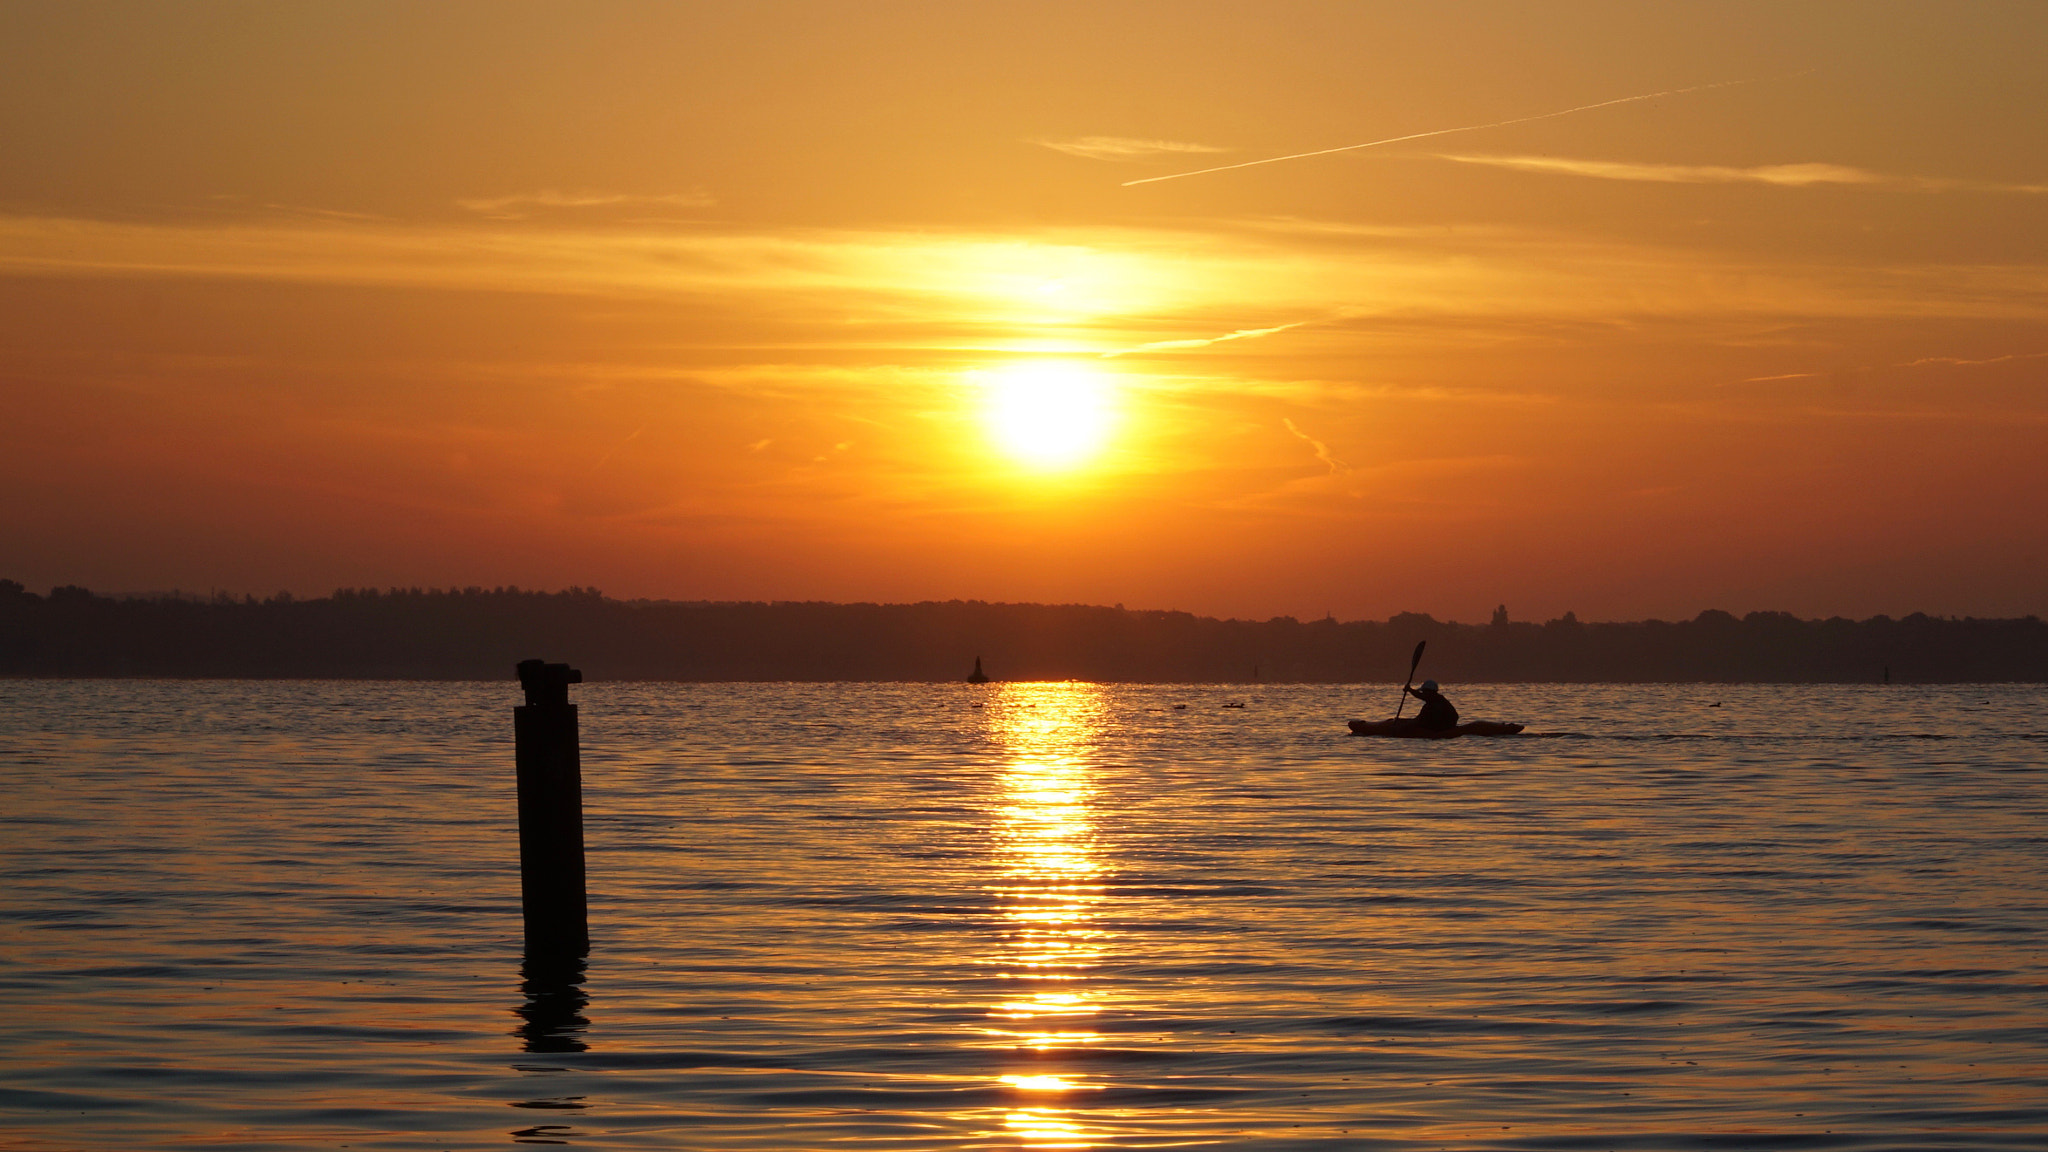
1049, 888
1044, 1128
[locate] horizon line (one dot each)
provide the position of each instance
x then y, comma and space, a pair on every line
16, 590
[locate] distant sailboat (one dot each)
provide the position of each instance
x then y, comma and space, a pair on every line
977, 676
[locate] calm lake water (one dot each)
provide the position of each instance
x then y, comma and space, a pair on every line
285, 915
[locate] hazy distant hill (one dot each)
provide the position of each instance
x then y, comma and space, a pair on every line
476, 633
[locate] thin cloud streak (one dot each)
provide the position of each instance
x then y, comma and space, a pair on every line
1448, 131
1786, 175
1782, 175
985, 290
498, 206
1923, 362
1122, 147
1169, 345
1953, 362
1337, 467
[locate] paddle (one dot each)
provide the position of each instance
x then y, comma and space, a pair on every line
1412, 666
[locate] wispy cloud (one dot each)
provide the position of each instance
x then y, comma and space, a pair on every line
1782, 175
1122, 147
607, 457
1444, 131
1953, 362
1170, 345
1337, 467
1789, 175
1780, 376
322, 213
517, 206
1923, 362
1121, 285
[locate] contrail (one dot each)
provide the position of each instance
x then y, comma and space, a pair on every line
1165, 345
1448, 131
1337, 467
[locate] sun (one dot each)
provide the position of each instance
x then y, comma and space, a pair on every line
1049, 413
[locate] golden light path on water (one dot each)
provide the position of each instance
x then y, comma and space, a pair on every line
908, 917
1049, 887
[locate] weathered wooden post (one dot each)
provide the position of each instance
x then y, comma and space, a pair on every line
551, 891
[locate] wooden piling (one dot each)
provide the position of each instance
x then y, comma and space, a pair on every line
549, 763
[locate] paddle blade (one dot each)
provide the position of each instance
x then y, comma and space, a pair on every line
1412, 666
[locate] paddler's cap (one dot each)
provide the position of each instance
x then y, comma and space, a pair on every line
1429, 685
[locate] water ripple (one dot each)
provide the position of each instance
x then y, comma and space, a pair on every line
256, 916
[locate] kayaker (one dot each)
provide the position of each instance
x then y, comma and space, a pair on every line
1437, 713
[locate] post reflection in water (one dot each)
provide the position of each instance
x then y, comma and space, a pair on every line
1049, 888
551, 1018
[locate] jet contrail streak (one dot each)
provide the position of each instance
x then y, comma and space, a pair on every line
1167, 345
1446, 131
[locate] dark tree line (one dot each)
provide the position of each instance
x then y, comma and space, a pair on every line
479, 634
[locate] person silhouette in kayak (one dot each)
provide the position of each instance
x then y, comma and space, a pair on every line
1437, 713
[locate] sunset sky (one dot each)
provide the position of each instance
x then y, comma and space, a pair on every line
855, 301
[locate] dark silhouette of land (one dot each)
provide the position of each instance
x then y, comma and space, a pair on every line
480, 634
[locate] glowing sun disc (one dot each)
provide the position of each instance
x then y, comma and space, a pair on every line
1049, 414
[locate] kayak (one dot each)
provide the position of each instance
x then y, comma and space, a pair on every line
1408, 728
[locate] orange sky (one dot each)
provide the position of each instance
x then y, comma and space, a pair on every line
723, 301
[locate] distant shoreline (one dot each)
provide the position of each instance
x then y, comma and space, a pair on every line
1389, 685
478, 634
